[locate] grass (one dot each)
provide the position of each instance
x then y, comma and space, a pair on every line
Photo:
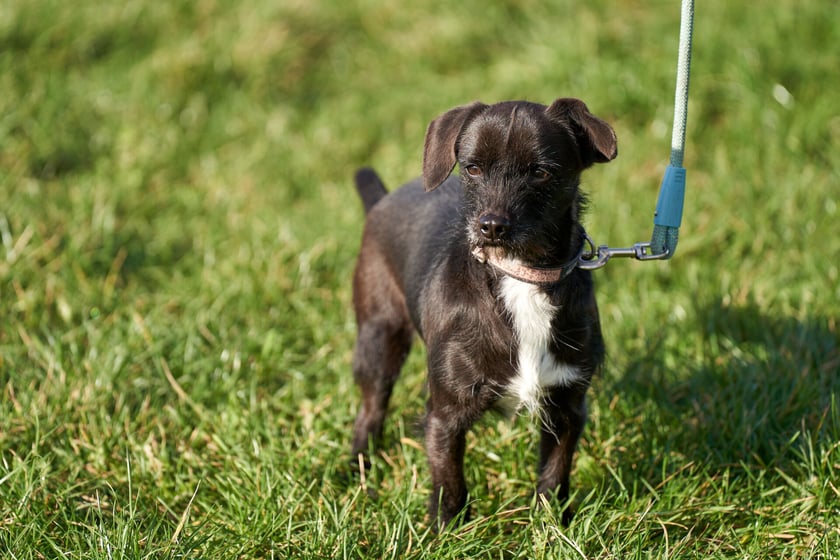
178, 228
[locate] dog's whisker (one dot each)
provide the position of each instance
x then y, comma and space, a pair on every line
568, 343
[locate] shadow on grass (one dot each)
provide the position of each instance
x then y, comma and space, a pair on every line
757, 382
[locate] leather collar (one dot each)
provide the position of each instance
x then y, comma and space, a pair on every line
517, 270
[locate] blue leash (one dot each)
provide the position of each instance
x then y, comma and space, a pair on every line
669, 205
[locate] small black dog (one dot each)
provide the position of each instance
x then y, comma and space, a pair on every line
483, 268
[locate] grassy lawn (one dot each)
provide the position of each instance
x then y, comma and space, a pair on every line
178, 229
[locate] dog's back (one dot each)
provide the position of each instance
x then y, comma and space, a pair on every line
408, 232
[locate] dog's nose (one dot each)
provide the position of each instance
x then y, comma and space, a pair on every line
493, 227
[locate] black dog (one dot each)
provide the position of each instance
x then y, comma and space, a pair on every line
483, 268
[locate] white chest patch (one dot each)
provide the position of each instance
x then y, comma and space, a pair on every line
536, 369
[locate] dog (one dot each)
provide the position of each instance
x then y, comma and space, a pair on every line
483, 267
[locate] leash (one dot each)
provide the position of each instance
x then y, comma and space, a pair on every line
669, 205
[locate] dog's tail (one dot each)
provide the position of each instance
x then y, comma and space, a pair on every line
370, 187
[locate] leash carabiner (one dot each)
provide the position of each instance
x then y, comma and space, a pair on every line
595, 258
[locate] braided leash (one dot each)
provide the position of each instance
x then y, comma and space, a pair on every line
669, 205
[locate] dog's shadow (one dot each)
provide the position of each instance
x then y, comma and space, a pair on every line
747, 396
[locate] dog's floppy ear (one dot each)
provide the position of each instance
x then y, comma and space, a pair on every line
439, 155
596, 139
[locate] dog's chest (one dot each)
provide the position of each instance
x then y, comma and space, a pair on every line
536, 367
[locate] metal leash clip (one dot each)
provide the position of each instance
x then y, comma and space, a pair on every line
595, 258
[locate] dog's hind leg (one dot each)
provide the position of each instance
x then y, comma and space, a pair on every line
383, 342
381, 349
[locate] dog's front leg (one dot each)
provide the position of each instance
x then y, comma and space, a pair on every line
563, 420
445, 444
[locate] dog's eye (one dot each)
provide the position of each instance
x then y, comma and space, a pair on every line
473, 170
540, 173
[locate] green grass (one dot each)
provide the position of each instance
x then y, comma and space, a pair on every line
178, 230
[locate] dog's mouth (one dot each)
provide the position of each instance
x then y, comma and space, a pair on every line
485, 253
497, 248
511, 250
506, 252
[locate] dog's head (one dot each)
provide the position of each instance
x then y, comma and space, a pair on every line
520, 167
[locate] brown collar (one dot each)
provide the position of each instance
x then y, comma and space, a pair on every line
522, 272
